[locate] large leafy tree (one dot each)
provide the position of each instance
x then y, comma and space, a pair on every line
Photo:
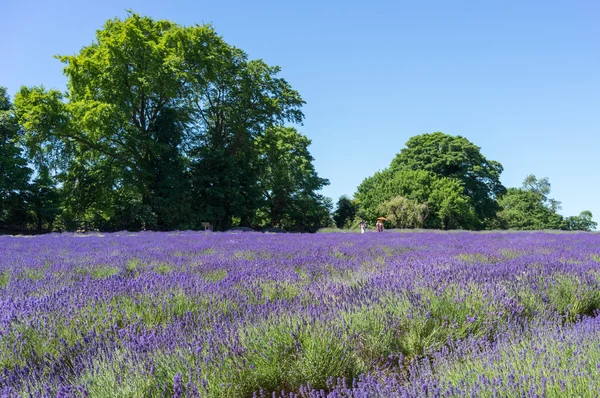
161, 120
14, 172
404, 213
447, 204
541, 187
44, 200
345, 212
371, 193
582, 222
524, 209
451, 208
289, 181
457, 158
529, 207
233, 101
121, 89
386, 184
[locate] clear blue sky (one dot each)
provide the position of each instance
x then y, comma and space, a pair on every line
520, 79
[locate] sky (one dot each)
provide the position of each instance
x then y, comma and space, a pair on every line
520, 79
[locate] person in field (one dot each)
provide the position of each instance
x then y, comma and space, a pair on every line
363, 226
379, 226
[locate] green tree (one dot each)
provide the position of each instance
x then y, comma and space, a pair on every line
44, 200
451, 207
14, 172
233, 102
542, 188
582, 222
530, 207
309, 213
404, 213
119, 90
289, 181
525, 209
448, 205
345, 212
456, 158
386, 184
162, 117
371, 193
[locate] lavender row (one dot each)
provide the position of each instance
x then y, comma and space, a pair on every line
236, 315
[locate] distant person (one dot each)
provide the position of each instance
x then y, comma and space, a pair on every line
363, 226
379, 226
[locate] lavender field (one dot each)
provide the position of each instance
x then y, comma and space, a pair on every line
323, 315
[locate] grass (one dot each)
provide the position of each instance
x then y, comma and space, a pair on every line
288, 352
247, 255
97, 272
34, 274
133, 267
276, 355
107, 380
153, 311
4, 278
566, 295
270, 291
50, 336
163, 269
511, 254
214, 275
375, 330
542, 363
572, 298
344, 230
477, 258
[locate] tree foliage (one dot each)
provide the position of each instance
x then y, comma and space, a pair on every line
448, 206
582, 222
14, 172
165, 126
542, 188
530, 208
404, 213
452, 208
44, 200
345, 212
460, 189
458, 159
523, 209
288, 180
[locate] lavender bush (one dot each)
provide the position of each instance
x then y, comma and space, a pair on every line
188, 314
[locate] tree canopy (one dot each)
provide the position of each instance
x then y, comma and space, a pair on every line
456, 158
14, 172
164, 126
460, 189
524, 209
582, 222
345, 212
288, 180
404, 213
448, 206
530, 208
448, 174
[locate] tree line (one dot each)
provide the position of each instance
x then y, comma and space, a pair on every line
167, 127
161, 127
444, 182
